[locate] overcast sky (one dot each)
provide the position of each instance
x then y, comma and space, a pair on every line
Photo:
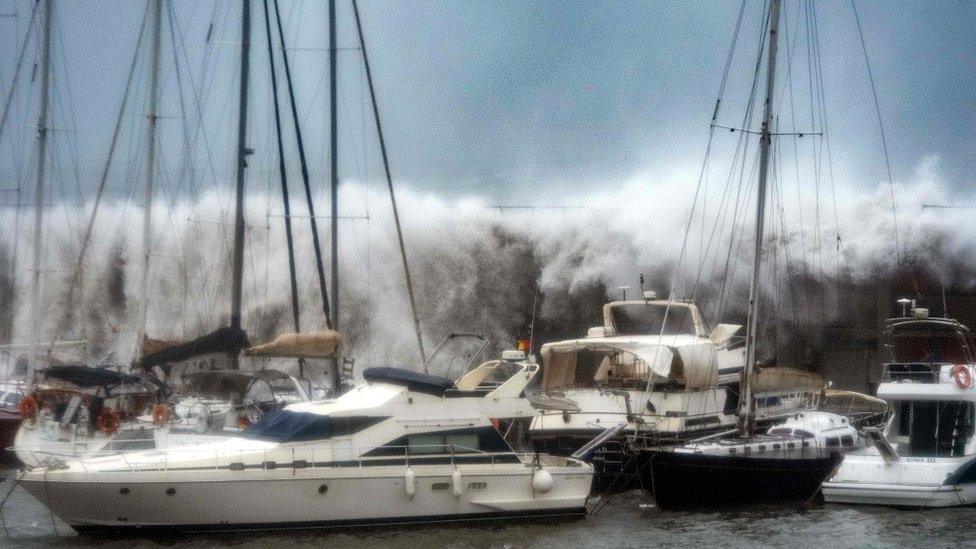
538, 101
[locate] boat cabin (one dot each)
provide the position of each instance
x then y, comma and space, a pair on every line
929, 383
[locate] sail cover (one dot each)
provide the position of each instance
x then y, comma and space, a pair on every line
322, 344
222, 340
688, 360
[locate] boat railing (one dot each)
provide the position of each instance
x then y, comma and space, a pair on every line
293, 458
917, 372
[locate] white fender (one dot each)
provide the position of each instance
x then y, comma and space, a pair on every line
457, 481
542, 481
410, 482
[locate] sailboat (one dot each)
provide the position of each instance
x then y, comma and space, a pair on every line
746, 468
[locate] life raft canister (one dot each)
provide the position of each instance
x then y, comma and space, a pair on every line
29, 407
161, 415
962, 375
109, 421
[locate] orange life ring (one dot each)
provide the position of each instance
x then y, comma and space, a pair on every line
109, 421
161, 415
29, 407
962, 375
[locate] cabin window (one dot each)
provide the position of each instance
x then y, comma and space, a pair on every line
289, 426
832, 442
847, 441
474, 486
647, 319
440, 486
437, 443
937, 429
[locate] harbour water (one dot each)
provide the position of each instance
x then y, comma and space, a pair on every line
626, 520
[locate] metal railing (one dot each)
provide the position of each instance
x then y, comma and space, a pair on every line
291, 458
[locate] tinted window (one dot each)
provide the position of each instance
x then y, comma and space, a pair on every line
288, 426
641, 319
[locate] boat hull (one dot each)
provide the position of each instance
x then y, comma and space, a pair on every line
682, 480
910, 482
282, 498
900, 495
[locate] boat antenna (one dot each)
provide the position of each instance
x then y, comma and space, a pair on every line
242, 152
746, 405
42, 128
150, 175
389, 182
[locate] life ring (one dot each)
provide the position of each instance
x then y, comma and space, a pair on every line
29, 407
161, 415
108, 421
962, 375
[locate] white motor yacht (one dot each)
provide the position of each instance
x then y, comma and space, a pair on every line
926, 456
399, 447
675, 384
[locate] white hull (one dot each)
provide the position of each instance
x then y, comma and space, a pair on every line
288, 497
900, 495
864, 478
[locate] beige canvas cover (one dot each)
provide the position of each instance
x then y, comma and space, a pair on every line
688, 360
779, 378
322, 344
850, 402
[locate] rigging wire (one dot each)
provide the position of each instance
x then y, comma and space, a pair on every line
884, 142
86, 238
389, 181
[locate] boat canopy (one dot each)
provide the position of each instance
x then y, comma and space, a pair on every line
421, 383
688, 360
222, 340
851, 403
322, 344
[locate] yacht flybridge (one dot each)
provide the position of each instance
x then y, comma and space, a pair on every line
926, 455
399, 447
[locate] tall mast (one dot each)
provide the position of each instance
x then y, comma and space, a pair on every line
334, 149
242, 152
150, 173
42, 128
746, 404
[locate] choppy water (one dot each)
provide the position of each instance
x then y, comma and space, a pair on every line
627, 520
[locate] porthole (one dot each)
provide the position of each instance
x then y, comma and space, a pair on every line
477, 485
440, 486
171, 491
323, 488
123, 491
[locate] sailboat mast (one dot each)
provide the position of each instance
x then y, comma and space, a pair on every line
746, 404
334, 154
42, 128
242, 152
150, 173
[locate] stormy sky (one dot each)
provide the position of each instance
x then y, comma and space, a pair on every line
531, 102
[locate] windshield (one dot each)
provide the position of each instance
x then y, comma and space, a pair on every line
288, 426
929, 346
646, 319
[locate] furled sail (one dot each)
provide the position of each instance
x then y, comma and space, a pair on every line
322, 344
